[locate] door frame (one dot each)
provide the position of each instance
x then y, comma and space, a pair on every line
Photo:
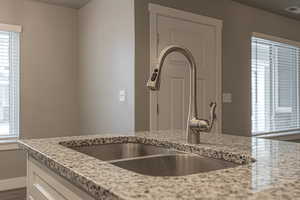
157, 10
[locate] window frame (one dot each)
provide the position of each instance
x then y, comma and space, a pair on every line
285, 109
7, 141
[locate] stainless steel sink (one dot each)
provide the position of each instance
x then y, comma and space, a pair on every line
173, 165
108, 152
152, 160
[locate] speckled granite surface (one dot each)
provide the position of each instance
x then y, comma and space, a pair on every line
274, 175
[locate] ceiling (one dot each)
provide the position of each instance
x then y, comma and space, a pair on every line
276, 6
67, 3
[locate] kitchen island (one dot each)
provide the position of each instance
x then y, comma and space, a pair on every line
267, 169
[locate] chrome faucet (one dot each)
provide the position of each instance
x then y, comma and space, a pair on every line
194, 124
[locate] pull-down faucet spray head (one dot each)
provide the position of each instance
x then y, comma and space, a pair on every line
154, 81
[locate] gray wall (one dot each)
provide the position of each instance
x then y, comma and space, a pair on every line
49, 105
239, 23
106, 66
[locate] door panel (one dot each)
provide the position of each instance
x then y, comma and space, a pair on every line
173, 96
177, 96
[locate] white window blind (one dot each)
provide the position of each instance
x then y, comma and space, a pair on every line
275, 86
9, 83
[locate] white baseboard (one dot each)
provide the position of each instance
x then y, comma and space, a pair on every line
12, 183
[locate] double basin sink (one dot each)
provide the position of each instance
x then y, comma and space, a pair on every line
152, 160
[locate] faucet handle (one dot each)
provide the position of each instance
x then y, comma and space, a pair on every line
213, 106
202, 124
213, 115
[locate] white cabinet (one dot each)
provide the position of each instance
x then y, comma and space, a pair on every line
43, 184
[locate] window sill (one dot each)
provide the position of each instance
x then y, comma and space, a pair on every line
9, 144
291, 135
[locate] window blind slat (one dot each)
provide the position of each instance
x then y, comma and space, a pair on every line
9, 84
275, 86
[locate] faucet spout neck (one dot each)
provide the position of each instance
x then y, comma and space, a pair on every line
154, 81
194, 125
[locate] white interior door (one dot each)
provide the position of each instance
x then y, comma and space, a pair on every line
171, 110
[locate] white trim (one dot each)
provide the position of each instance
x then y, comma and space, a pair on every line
153, 62
8, 145
285, 136
155, 11
171, 12
13, 183
276, 39
10, 27
8, 139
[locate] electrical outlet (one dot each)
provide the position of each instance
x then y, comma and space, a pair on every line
227, 98
122, 96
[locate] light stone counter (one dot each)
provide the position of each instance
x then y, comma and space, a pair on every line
274, 175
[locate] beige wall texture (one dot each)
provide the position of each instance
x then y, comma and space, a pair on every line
106, 66
239, 23
49, 103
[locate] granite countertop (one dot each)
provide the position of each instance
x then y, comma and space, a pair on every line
275, 174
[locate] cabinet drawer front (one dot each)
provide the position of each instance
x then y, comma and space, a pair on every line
44, 191
43, 184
